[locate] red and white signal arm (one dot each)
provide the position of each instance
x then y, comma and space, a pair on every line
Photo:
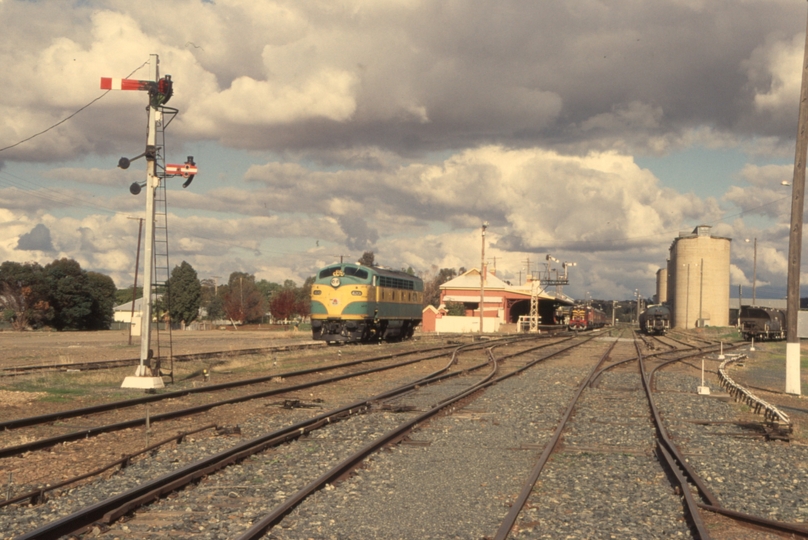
185, 170
109, 83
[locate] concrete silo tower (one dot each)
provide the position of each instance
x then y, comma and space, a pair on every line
662, 285
698, 281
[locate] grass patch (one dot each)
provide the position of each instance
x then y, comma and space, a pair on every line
61, 395
50, 392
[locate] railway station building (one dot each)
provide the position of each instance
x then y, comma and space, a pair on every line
698, 279
502, 305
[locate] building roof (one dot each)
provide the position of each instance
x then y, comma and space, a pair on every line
127, 307
470, 280
778, 303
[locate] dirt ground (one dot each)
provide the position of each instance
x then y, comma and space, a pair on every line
37, 348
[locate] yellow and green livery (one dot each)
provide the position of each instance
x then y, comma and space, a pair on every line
351, 302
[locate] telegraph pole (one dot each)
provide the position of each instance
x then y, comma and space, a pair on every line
482, 277
793, 384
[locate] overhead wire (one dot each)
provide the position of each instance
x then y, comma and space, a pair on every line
62, 121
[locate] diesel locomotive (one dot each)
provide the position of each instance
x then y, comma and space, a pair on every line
583, 317
655, 320
356, 303
763, 323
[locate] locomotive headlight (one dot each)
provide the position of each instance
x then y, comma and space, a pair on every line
356, 293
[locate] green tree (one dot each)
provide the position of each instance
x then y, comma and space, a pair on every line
432, 285
102, 293
455, 308
184, 294
23, 295
68, 294
122, 296
368, 258
268, 288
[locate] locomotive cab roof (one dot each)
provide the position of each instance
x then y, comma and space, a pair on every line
366, 273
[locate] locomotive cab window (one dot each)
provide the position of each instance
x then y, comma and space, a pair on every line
356, 272
328, 272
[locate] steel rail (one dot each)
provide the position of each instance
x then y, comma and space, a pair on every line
516, 508
667, 450
151, 489
793, 528
391, 437
37, 496
713, 504
87, 516
85, 433
662, 434
115, 405
11, 371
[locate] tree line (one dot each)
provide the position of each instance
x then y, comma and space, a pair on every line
63, 296
60, 295
243, 299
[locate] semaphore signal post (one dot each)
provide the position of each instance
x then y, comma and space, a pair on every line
160, 91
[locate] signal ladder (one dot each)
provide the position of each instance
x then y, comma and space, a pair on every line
161, 266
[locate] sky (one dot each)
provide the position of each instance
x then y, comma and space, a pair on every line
591, 131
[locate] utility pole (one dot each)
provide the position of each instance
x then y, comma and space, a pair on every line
793, 384
701, 291
482, 277
687, 297
754, 275
614, 303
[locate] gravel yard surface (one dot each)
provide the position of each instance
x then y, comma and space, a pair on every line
458, 474
747, 473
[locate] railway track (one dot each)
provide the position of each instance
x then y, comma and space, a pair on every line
240, 452
27, 369
446, 456
588, 464
281, 384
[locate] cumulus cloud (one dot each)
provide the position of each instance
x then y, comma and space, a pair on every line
403, 75
399, 127
38, 239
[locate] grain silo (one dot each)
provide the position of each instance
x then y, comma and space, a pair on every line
699, 270
662, 285
671, 277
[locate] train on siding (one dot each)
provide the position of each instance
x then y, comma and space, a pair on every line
762, 323
655, 320
584, 317
356, 303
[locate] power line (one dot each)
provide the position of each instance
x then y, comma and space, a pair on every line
62, 121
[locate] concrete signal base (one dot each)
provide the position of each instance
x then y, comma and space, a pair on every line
143, 379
